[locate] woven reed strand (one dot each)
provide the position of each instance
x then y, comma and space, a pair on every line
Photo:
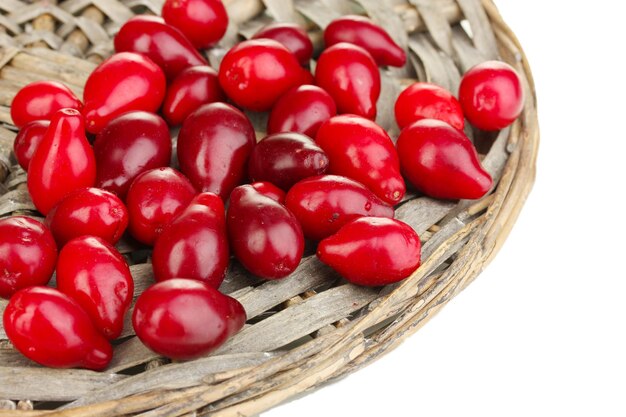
313, 327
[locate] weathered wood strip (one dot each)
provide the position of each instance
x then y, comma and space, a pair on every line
440, 69
282, 11
78, 64
317, 12
15, 200
464, 48
10, 5
422, 213
437, 23
49, 70
390, 89
10, 357
52, 384
303, 318
5, 115
115, 10
176, 375
311, 273
482, 33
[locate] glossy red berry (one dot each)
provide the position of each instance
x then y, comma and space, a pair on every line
130, 144
428, 101
257, 72
195, 244
325, 203
154, 199
40, 100
286, 158
28, 254
358, 148
265, 237
52, 329
491, 95
214, 145
350, 75
293, 36
203, 22
301, 110
88, 211
63, 162
122, 83
270, 190
361, 31
27, 140
441, 161
96, 276
192, 88
184, 319
163, 44
372, 251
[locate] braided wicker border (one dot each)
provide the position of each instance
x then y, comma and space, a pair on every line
252, 374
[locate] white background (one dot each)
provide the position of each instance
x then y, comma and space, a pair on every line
543, 330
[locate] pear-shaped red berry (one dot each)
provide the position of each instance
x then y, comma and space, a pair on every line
441, 161
350, 75
63, 162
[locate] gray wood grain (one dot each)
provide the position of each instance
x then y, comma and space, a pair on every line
282, 10
176, 375
303, 318
467, 54
436, 22
317, 12
422, 213
52, 384
310, 274
439, 68
482, 33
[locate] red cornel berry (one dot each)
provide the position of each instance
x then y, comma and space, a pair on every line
28, 254
163, 44
301, 110
194, 245
428, 101
27, 140
130, 144
96, 276
293, 36
491, 95
441, 161
265, 236
350, 75
361, 31
372, 251
40, 100
124, 82
88, 211
192, 88
257, 72
203, 22
286, 158
184, 319
323, 204
360, 149
63, 162
53, 330
154, 199
270, 190
214, 145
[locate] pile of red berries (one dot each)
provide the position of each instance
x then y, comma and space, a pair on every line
100, 167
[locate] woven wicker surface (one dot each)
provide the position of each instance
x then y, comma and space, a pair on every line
312, 327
